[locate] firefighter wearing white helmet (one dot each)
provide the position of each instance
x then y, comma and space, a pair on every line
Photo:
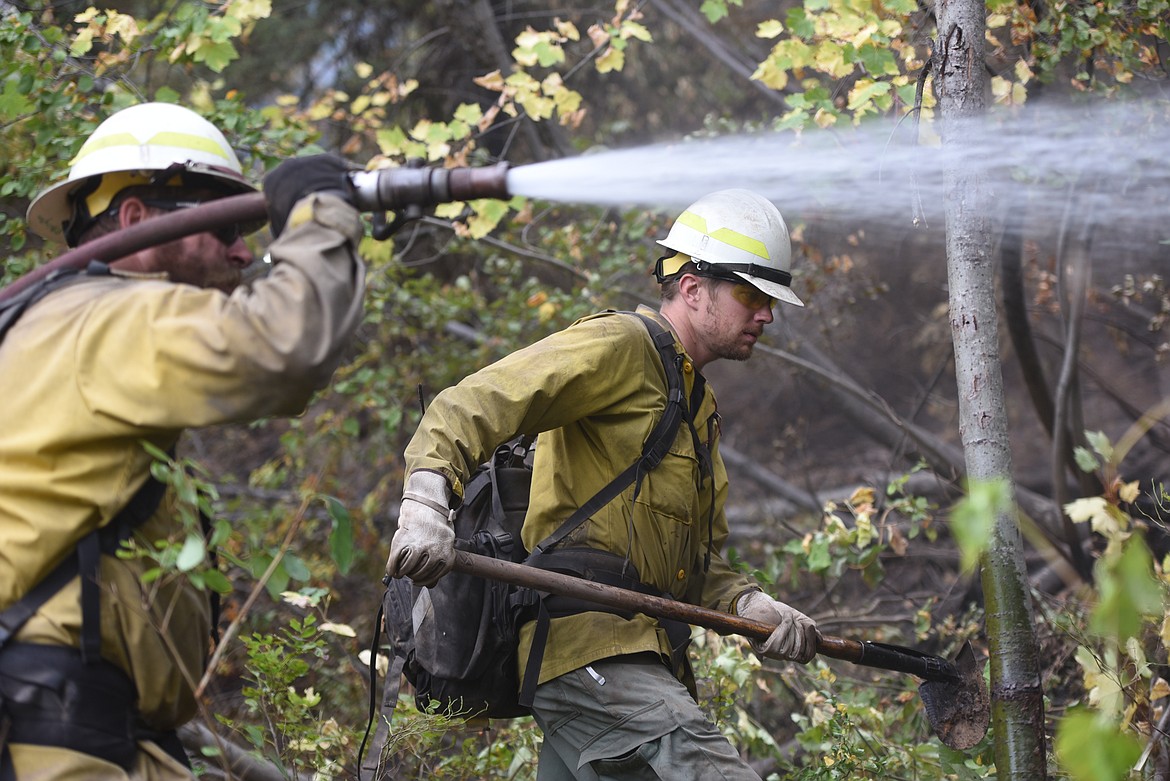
734, 235
158, 144
613, 693
99, 665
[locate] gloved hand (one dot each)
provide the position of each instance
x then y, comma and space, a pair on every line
423, 548
297, 177
795, 636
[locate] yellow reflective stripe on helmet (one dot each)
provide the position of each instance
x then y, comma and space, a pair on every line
739, 241
726, 235
169, 138
692, 220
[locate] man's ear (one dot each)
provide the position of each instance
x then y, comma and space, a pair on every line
690, 287
132, 211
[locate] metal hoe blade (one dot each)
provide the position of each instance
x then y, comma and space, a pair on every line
958, 709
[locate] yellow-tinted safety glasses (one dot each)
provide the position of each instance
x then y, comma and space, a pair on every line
751, 297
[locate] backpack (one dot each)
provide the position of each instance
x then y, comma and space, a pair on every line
456, 643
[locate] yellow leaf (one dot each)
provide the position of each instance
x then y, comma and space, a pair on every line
536, 106
635, 30
361, 104
1129, 492
769, 29
82, 43
771, 75
863, 495
493, 81
363, 70
612, 60
824, 119
345, 630
449, 211
122, 25
830, 59
522, 82
470, 113
567, 30
1085, 509
247, 10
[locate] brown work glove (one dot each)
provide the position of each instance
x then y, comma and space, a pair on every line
795, 635
297, 177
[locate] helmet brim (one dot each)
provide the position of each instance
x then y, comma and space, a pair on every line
773, 289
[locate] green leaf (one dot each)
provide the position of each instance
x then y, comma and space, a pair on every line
1129, 591
866, 92
216, 55
193, 552
167, 95
714, 10
1090, 750
1100, 444
974, 518
799, 23
12, 103
217, 581
1086, 461
819, 557
341, 538
296, 567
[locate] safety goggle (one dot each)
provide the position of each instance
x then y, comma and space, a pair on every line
226, 234
751, 297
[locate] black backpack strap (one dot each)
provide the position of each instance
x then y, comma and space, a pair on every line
85, 561
656, 447
371, 767
599, 567
12, 308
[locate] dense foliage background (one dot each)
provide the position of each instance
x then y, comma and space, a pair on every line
841, 434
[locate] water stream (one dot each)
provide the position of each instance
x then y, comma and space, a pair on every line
1112, 159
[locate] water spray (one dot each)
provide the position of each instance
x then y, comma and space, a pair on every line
1113, 155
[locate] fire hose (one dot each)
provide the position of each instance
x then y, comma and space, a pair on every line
404, 191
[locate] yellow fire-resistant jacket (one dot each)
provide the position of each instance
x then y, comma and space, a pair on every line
97, 367
593, 392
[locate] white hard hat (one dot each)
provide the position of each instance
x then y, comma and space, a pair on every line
133, 147
736, 233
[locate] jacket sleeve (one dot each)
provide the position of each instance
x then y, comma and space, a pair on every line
544, 386
169, 355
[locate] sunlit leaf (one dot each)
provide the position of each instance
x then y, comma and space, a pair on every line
1129, 592
1090, 750
192, 553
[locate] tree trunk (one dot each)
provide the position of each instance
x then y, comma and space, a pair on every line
1017, 710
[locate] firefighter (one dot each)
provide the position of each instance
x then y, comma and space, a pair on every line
611, 699
98, 668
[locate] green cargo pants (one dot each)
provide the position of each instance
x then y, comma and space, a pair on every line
629, 719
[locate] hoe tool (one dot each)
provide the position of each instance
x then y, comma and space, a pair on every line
953, 692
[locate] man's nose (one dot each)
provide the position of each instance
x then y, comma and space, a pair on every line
239, 254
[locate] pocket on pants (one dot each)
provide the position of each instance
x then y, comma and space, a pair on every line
624, 737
